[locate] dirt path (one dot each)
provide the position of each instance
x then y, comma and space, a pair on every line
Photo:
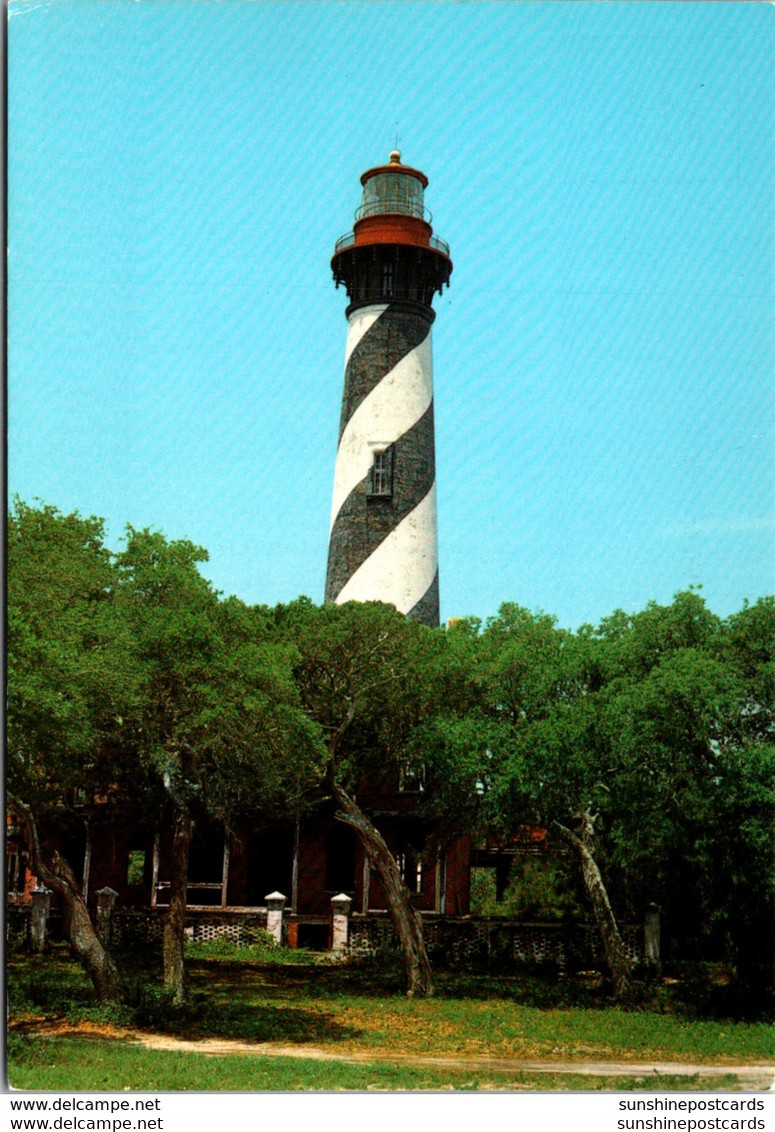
752, 1078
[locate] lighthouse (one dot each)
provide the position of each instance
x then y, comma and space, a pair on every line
383, 542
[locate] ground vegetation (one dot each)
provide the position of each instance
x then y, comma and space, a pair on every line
249, 1010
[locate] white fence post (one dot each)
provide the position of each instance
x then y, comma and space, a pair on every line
340, 919
41, 904
106, 898
275, 903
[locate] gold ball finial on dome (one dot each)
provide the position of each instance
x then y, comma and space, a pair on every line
395, 157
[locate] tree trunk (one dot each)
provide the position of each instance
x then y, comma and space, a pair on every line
613, 946
56, 874
175, 924
407, 923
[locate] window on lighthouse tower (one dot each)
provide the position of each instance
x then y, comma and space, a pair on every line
382, 472
387, 280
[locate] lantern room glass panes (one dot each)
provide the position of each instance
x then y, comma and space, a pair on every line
392, 192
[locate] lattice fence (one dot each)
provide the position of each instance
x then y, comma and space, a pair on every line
472, 942
130, 929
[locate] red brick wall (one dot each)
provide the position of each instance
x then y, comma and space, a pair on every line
111, 846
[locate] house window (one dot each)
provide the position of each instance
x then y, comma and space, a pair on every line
410, 866
387, 280
340, 859
411, 779
382, 473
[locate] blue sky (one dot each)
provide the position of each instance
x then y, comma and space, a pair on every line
179, 172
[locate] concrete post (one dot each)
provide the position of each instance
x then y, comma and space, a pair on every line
41, 903
340, 921
106, 898
651, 934
275, 902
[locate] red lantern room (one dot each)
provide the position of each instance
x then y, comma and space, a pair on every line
392, 254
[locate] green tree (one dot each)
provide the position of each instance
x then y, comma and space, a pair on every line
687, 718
70, 683
370, 678
647, 744
547, 764
704, 722
219, 713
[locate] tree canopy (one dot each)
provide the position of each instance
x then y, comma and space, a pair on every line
377, 684
644, 746
651, 735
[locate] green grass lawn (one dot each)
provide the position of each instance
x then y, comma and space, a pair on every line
71, 1064
343, 1009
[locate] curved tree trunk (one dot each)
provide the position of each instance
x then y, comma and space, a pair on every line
55, 873
406, 921
613, 946
173, 946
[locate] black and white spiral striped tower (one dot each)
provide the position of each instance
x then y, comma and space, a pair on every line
383, 543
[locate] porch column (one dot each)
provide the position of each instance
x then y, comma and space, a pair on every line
295, 869
441, 882
651, 935
86, 862
225, 869
366, 883
155, 867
